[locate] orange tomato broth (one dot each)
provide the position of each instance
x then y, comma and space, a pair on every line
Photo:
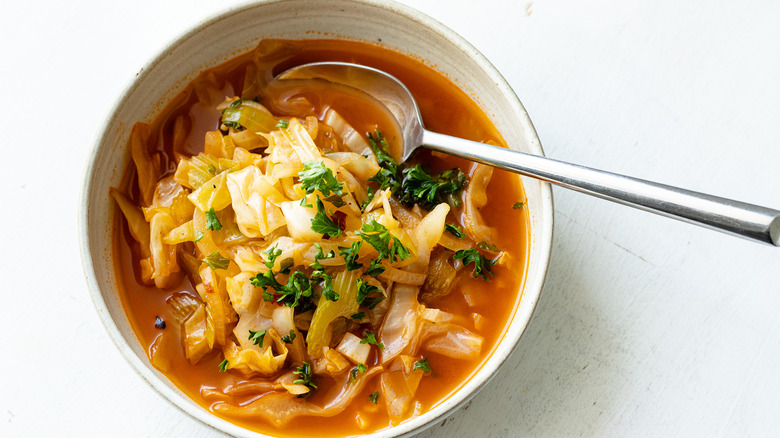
445, 109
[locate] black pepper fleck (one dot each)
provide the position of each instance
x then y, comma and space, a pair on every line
159, 323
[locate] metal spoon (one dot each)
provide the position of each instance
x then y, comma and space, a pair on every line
733, 217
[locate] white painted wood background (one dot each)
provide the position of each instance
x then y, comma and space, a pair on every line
646, 326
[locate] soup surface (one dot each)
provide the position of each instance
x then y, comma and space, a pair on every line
282, 272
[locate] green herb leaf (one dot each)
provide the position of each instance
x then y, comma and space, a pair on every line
358, 316
518, 205
375, 268
388, 246
305, 378
216, 261
321, 256
336, 201
360, 368
351, 255
283, 124
257, 337
288, 339
481, 264
272, 254
370, 338
486, 246
422, 364
374, 397
199, 236
212, 223
372, 302
316, 176
323, 224
297, 291
223, 365
364, 290
454, 230
419, 187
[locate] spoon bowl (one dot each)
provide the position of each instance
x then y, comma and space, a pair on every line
745, 220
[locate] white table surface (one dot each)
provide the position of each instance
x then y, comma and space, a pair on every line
646, 326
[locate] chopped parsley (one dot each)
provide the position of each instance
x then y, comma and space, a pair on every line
360, 368
316, 176
288, 339
212, 223
454, 230
351, 255
282, 124
374, 397
372, 302
422, 364
216, 261
358, 316
370, 338
336, 201
364, 290
199, 236
321, 256
223, 365
487, 246
388, 175
305, 378
323, 224
481, 264
518, 205
388, 246
419, 187
375, 268
297, 291
273, 253
257, 337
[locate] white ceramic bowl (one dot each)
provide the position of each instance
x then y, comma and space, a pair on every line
239, 30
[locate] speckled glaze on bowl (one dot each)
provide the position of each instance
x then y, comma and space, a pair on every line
239, 30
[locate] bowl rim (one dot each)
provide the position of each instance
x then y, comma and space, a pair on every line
477, 381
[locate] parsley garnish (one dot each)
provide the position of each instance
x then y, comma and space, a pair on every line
223, 365
231, 115
257, 337
374, 397
422, 364
336, 201
297, 291
370, 338
323, 224
304, 372
212, 223
481, 264
316, 176
354, 372
283, 124
288, 339
321, 256
364, 290
358, 316
487, 246
518, 205
199, 236
454, 230
375, 268
421, 188
272, 254
351, 255
216, 261
372, 302
388, 246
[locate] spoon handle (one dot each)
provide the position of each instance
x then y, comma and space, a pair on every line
732, 217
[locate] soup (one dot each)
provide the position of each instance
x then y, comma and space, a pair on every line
287, 274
